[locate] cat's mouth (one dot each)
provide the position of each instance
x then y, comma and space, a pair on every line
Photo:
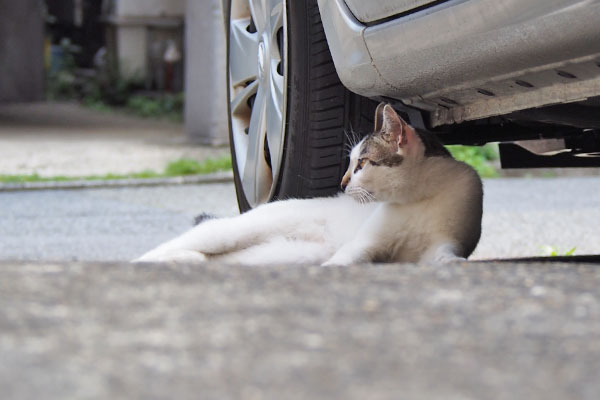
359, 194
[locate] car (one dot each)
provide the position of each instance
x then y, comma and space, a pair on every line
304, 78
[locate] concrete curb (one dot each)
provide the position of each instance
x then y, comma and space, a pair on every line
219, 177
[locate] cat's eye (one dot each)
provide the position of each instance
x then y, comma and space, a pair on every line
360, 164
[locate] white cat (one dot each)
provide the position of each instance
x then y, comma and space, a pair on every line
406, 200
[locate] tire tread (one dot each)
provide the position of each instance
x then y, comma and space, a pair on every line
321, 117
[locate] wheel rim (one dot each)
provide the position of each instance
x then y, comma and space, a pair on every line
257, 93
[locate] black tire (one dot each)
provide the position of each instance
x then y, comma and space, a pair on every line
321, 113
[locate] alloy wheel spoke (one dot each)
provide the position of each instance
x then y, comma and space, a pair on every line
239, 103
275, 16
274, 116
276, 83
242, 52
257, 178
274, 133
259, 15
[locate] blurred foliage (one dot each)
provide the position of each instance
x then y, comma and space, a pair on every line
104, 90
479, 157
167, 105
61, 80
183, 166
108, 89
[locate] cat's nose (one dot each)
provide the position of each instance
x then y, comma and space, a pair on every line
344, 184
345, 181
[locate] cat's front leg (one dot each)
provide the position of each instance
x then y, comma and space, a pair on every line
368, 242
442, 253
350, 253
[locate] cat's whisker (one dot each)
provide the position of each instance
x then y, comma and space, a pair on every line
365, 199
361, 199
352, 139
367, 195
361, 195
348, 146
370, 195
356, 137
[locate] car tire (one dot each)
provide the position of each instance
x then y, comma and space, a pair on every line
290, 120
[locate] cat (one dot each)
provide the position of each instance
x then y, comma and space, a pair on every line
405, 199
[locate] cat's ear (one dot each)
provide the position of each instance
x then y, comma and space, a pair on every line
395, 127
379, 117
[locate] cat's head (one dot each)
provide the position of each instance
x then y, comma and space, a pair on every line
385, 163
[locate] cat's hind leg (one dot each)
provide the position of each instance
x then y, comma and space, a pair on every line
279, 251
212, 236
175, 255
225, 235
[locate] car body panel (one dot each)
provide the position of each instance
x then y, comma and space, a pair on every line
348, 49
370, 11
460, 60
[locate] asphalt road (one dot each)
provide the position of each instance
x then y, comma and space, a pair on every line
103, 224
521, 217
473, 331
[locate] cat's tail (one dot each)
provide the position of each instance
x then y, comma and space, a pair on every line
203, 217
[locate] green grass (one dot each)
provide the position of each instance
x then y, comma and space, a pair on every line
186, 166
479, 157
181, 167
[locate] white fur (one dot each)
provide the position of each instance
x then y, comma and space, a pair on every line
426, 209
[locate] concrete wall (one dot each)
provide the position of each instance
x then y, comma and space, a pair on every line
21, 51
139, 31
206, 103
132, 50
151, 8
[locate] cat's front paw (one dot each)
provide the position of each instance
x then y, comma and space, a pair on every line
444, 259
450, 259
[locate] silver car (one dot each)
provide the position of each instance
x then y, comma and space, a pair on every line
304, 77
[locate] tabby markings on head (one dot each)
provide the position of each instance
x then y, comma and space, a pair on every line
380, 152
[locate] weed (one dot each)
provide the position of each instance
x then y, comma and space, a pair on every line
479, 157
553, 251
